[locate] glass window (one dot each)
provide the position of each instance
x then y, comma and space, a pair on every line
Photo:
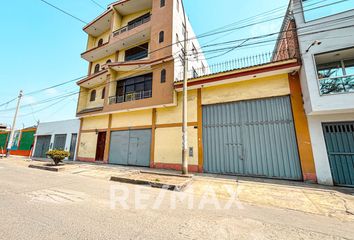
161, 37
162, 3
103, 93
137, 53
93, 96
163, 76
97, 68
317, 9
349, 67
328, 70
100, 42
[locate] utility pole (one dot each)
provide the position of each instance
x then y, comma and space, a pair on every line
9, 144
185, 100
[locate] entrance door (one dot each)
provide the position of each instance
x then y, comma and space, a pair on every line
73, 146
339, 139
42, 146
59, 141
130, 147
254, 138
101, 144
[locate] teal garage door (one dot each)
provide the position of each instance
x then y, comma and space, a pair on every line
130, 147
42, 146
339, 139
251, 138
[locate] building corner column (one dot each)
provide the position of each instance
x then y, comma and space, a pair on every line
79, 140
200, 130
153, 130
302, 130
108, 140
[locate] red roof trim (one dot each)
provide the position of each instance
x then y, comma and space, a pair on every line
92, 76
98, 18
240, 74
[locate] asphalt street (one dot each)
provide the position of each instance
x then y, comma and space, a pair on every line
36, 204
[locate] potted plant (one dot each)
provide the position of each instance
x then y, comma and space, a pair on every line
57, 156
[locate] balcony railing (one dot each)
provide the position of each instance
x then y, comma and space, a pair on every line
337, 85
245, 62
132, 26
130, 97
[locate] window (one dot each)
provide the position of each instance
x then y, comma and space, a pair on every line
103, 93
93, 96
108, 61
139, 21
163, 75
161, 36
313, 11
100, 42
162, 3
178, 5
137, 53
335, 71
97, 68
134, 88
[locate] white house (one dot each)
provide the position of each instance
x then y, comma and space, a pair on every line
56, 135
326, 39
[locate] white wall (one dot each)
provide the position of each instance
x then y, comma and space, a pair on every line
323, 170
332, 40
67, 127
326, 108
178, 20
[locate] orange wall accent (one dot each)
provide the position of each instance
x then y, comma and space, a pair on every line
200, 130
302, 130
176, 167
24, 153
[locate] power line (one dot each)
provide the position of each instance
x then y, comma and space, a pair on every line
65, 12
97, 4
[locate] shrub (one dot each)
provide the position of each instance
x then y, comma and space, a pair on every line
58, 155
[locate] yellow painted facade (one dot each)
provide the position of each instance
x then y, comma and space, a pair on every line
87, 145
132, 119
98, 100
96, 122
251, 89
102, 62
174, 114
168, 145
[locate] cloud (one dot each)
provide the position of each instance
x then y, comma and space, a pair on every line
266, 28
28, 100
51, 92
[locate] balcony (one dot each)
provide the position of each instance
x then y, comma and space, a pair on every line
336, 85
144, 19
130, 97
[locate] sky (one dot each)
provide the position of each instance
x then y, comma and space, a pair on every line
41, 47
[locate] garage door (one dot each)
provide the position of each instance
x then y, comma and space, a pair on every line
42, 146
130, 148
59, 141
255, 138
339, 139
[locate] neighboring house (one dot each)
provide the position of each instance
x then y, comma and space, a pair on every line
22, 142
132, 66
61, 135
245, 117
325, 32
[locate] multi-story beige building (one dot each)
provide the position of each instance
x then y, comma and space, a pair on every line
135, 54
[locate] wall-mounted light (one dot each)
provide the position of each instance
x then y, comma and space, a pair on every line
316, 42
96, 131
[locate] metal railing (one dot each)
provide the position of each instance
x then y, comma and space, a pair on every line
132, 26
244, 62
130, 97
335, 85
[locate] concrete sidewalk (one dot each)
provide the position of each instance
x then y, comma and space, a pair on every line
337, 202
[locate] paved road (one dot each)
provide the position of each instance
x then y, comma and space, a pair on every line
36, 204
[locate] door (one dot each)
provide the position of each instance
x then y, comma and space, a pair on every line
73, 146
59, 141
339, 138
130, 147
42, 146
101, 144
253, 138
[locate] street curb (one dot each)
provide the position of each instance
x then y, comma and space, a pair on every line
171, 187
168, 174
47, 168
